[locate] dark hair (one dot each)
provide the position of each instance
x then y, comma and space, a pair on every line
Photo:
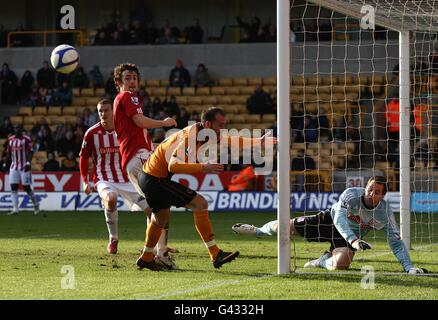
118, 71
380, 180
210, 114
105, 101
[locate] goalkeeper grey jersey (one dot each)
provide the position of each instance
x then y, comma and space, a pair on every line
353, 220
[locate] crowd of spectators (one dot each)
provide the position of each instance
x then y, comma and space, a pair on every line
138, 32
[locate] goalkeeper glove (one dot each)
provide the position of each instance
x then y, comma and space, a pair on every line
359, 245
417, 270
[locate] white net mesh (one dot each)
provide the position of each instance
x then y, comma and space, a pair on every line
344, 96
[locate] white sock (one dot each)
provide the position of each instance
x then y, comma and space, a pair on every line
326, 261
15, 200
112, 220
267, 229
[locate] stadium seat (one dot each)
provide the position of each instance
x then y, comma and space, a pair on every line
92, 101
87, 92
218, 91
253, 81
237, 118
33, 120
25, 111
226, 82
211, 100
79, 101
157, 91
252, 118
54, 111
269, 118
270, 81
181, 100
298, 81
71, 119
69, 111
188, 91
248, 90
174, 91
100, 92
152, 83
270, 89
55, 119
194, 100
224, 99
230, 109
16, 120
313, 80
38, 111
240, 82
232, 91
203, 91
164, 83
76, 92
239, 99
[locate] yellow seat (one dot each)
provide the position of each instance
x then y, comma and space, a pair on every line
188, 91
16, 120
181, 100
210, 100
224, 99
247, 90
39, 111
164, 83
157, 91
152, 83
226, 82
55, 119
269, 118
76, 92
232, 90
239, 99
71, 119
240, 82
253, 81
230, 108
69, 111
87, 92
204, 91
79, 101
252, 118
33, 120
194, 100
174, 91
237, 118
54, 111
270, 81
25, 111
218, 91
92, 101
100, 92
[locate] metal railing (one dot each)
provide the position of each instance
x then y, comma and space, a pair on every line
80, 33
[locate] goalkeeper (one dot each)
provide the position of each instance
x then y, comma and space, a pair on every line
358, 211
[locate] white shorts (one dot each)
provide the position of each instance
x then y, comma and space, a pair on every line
133, 200
17, 176
135, 166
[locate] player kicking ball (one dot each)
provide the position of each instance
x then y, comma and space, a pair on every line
179, 154
19, 149
358, 211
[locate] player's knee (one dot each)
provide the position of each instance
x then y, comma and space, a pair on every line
342, 258
111, 201
14, 187
201, 203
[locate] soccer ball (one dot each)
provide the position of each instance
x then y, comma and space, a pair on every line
64, 58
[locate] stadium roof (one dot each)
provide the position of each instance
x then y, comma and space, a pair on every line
407, 15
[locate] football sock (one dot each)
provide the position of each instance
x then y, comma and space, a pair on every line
267, 229
326, 261
205, 230
15, 200
153, 233
112, 220
162, 241
32, 197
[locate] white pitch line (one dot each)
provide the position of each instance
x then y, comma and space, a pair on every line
201, 288
376, 255
56, 235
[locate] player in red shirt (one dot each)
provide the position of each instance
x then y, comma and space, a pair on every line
131, 128
19, 148
101, 145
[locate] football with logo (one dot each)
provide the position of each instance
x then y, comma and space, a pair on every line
64, 58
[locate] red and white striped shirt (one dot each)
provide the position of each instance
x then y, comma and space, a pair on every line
102, 146
19, 148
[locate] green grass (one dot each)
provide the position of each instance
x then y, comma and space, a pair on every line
33, 250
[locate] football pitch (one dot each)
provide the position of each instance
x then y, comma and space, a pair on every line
63, 256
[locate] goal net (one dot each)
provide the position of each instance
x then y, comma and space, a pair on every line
346, 120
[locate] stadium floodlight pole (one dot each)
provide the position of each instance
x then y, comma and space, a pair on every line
405, 174
283, 132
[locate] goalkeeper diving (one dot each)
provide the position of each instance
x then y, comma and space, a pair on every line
358, 211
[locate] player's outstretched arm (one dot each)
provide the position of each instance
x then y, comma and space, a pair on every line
148, 123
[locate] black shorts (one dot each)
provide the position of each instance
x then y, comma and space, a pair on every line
320, 228
163, 193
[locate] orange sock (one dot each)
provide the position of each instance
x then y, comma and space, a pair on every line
205, 230
153, 233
